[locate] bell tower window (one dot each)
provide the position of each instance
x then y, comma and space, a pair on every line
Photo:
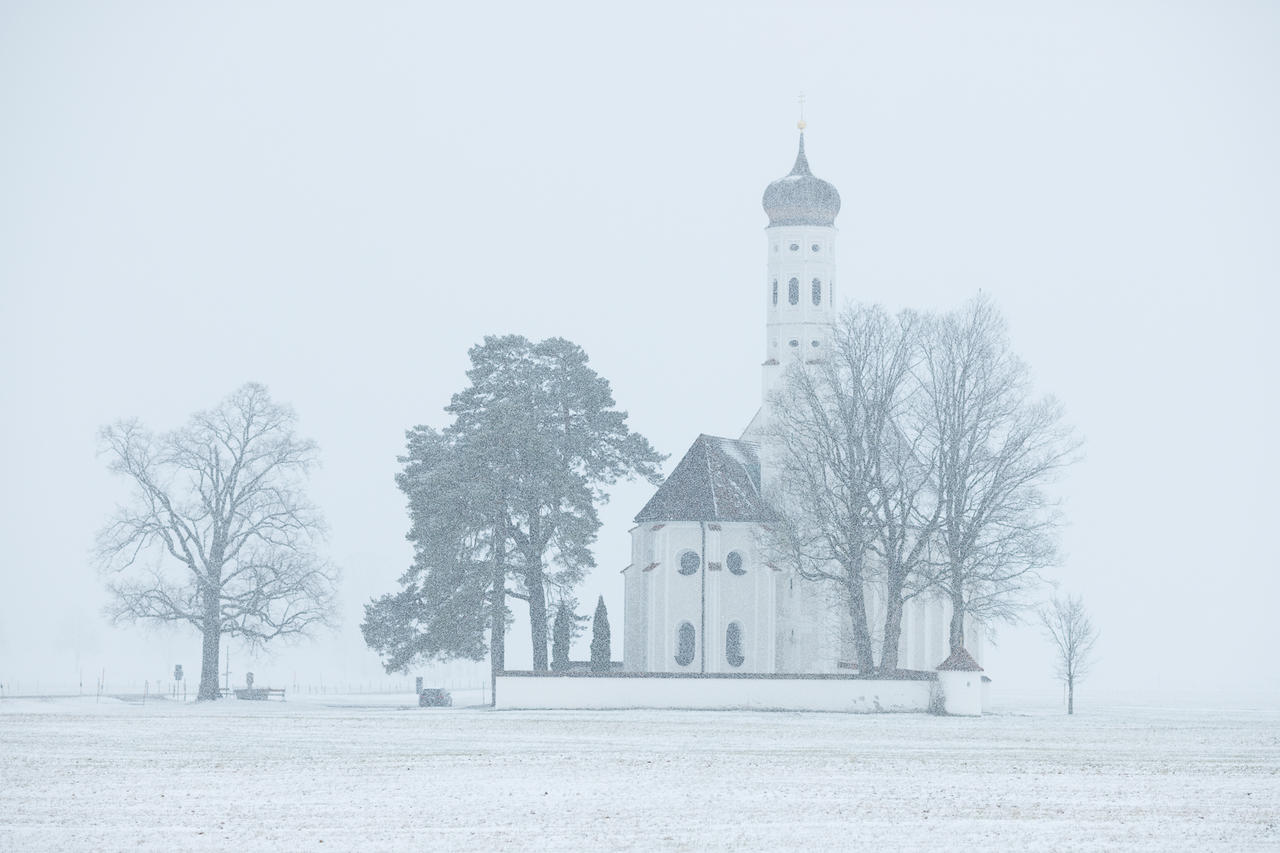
793, 291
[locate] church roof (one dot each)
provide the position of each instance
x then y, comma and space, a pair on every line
800, 198
717, 480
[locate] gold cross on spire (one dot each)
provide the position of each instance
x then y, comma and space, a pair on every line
800, 124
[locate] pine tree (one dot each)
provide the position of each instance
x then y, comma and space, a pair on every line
601, 641
503, 502
541, 418
561, 636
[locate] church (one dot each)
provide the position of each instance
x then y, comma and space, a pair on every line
700, 597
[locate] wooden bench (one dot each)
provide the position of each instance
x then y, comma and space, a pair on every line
259, 694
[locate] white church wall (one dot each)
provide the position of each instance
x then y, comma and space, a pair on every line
810, 626
745, 599
712, 693
635, 629
660, 598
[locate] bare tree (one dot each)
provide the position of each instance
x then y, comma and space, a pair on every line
1073, 636
219, 533
851, 480
996, 449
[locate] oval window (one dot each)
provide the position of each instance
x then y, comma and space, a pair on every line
815, 248
795, 247
794, 342
689, 562
685, 638
732, 644
734, 562
817, 292
793, 291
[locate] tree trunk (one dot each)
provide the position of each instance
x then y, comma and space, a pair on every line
892, 629
957, 620
498, 609
861, 630
209, 656
498, 618
537, 617
1071, 696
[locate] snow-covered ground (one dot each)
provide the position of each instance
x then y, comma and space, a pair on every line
376, 773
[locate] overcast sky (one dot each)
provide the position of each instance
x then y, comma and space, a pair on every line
339, 200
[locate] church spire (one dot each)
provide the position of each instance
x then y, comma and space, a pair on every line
802, 162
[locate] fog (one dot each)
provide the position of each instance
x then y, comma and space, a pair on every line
337, 201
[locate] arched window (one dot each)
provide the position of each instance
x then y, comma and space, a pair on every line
685, 639
817, 292
733, 644
734, 563
793, 291
689, 562
775, 291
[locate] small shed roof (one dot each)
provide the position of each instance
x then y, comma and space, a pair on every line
960, 661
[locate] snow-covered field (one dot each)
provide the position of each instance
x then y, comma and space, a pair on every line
375, 773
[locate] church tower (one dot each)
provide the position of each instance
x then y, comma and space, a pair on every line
800, 281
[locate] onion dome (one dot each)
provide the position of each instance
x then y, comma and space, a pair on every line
800, 198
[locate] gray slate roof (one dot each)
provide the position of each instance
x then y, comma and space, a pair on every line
800, 198
717, 480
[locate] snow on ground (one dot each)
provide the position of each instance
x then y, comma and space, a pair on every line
377, 773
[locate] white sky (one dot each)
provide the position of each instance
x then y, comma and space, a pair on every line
339, 200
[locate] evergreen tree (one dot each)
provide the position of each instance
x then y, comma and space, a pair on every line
601, 641
508, 491
561, 636
543, 422
448, 598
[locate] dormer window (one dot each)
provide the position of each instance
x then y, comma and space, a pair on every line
793, 291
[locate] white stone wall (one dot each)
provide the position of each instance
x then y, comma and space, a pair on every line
793, 694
